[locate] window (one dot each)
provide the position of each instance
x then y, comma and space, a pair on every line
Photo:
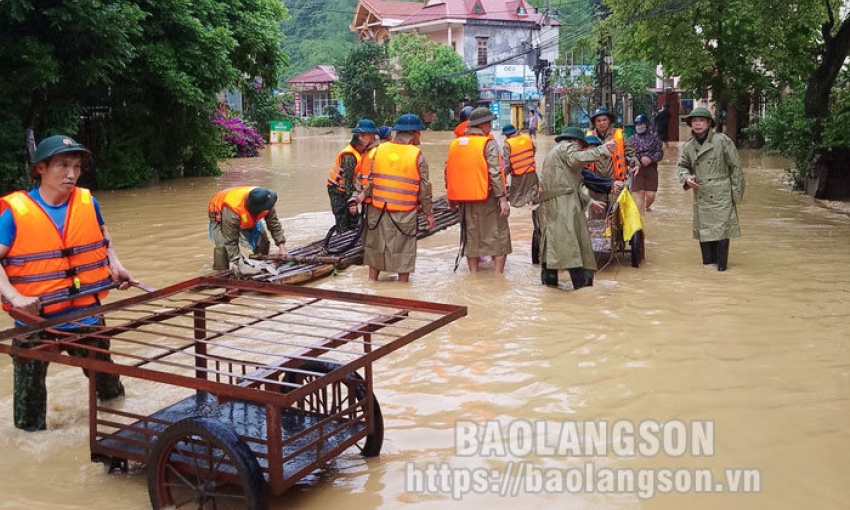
482, 51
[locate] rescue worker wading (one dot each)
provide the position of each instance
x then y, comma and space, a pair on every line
518, 155
344, 172
563, 199
709, 165
54, 246
398, 185
239, 214
476, 182
617, 167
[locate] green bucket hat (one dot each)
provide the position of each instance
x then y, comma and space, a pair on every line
480, 115
54, 145
700, 112
259, 200
570, 132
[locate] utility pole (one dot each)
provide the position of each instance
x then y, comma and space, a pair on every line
547, 73
605, 67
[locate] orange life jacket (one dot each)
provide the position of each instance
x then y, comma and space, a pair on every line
395, 177
460, 129
618, 158
522, 154
42, 262
364, 168
335, 177
234, 199
467, 177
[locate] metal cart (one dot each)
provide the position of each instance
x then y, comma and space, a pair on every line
268, 382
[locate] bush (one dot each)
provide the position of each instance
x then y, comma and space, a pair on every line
787, 131
322, 121
244, 138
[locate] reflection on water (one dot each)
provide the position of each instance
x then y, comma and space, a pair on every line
760, 349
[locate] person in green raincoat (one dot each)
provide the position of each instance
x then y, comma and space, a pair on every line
709, 165
565, 239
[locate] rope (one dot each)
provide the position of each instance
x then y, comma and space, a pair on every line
397, 226
462, 246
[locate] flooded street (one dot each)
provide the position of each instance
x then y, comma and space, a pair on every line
757, 354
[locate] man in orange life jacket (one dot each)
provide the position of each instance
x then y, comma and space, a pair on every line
465, 112
518, 154
616, 168
398, 185
240, 213
476, 181
344, 172
54, 245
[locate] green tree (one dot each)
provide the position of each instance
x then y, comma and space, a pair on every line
55, 55
133, 79
364, 84
734, 48
431, 77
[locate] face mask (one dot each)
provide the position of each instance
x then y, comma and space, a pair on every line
640, 128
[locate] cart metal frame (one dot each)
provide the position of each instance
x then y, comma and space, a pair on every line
286, 369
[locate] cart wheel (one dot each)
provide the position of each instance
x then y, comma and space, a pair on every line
637, 247
200, 463
374, 441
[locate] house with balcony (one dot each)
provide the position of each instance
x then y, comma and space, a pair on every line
506, 42
312, 90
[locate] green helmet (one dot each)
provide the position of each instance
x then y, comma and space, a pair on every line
700, 112
570, 132
53, 145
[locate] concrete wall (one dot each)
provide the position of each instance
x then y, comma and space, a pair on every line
503, 40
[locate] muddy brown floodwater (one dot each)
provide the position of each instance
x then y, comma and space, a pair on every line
754, 361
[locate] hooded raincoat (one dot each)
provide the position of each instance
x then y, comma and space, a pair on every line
565, 241
717, 168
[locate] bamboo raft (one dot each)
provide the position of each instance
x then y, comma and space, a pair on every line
311, 262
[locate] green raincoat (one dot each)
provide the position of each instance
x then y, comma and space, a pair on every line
717, 168
565, 240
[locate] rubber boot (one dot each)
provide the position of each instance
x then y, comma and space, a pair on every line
549, 277
30, 395
220, 261
535, 238
581, 277
709, 254
722, 254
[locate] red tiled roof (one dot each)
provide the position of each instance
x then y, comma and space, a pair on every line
319, 74
496, 10
388, 9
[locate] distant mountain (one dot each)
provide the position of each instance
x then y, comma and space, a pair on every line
318, 33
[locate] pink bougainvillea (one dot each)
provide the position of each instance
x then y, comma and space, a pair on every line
244, 138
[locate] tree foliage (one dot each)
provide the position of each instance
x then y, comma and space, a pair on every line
410, 74
431, 77
134, 80
364, 84
734, 48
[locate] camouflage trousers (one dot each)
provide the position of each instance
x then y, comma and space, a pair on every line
30, 400
339, 205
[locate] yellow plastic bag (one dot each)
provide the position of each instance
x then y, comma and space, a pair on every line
629, 214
